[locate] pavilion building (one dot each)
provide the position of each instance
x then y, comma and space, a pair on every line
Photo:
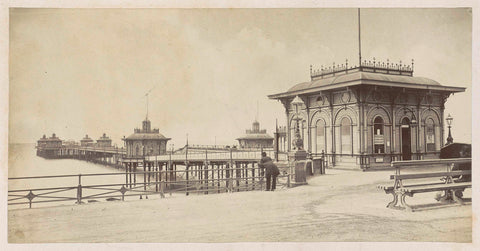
256, 138
146, 142
104, 141
87, 141
368, 115
49, 147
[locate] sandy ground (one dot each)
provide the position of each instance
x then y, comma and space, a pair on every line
339, 206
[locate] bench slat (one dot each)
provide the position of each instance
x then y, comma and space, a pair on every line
440, 187
429, 175
422, 163
388, 187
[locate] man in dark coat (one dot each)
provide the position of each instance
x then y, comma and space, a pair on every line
271, 171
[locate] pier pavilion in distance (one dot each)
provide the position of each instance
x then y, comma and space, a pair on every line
141, 144
368, 115
87, 141
256, 138
104, 141
49, 147
146, 142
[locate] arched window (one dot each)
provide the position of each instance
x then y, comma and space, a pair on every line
137, 151
378, 135
346, 136
320, 144
430, 135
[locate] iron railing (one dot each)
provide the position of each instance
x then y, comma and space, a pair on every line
188, 181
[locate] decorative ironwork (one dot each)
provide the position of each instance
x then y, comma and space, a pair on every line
219, 176
365, 66
30, 196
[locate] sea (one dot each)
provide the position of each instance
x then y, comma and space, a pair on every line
23, 162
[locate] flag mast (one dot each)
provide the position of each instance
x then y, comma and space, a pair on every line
359, 42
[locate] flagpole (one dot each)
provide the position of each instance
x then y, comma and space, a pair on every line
359, 42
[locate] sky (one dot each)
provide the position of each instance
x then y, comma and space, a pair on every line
86, 71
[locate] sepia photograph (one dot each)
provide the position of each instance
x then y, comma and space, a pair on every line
273, 125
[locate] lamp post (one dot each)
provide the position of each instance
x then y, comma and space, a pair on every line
449, 122
297, 141
298, 156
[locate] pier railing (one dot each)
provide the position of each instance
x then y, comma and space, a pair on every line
193, 180
253, 155
74, 192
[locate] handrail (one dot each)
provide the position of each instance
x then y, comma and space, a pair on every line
64, 175
228, 178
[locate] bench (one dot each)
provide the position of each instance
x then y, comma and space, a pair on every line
449, 182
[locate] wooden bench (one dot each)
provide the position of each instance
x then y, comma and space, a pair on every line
448, 182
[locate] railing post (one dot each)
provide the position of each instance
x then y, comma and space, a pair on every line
162, 185
79, 189
30, 197
122, 191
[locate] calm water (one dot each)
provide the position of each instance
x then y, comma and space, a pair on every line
23, 162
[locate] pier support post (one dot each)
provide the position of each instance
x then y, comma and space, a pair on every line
227, 177
135, 175
126, 173
237, 176
218, 177
186, 174
130, 174
206, 177
156, 179
144, 177
253, 175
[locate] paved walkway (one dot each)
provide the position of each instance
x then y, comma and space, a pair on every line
339, 206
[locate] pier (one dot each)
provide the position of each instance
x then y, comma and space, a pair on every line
102, 152
192, 169
213, 171
150, 169
103, 155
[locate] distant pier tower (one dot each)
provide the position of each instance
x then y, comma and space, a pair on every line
87, 141
49, 147
146, 141
256, 138
104, 141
